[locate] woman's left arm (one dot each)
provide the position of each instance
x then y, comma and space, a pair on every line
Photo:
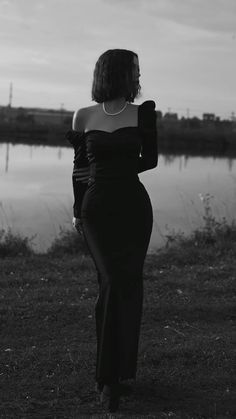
149, 153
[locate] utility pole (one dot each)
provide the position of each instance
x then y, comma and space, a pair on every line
188, 113
10, 95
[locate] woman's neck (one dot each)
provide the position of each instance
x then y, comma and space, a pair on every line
115, 104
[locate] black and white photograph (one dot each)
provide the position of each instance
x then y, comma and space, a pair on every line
117, 209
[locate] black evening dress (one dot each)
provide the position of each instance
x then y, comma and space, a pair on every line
117, 218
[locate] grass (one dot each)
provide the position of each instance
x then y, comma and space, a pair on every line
186, 364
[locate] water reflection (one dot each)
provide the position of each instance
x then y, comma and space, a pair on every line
36, 191
184, 159
7, 156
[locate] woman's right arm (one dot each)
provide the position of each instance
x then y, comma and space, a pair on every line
80, 174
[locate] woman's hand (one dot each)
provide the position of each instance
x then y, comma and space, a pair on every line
77, 224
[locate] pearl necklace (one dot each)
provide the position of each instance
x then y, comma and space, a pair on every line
116, 113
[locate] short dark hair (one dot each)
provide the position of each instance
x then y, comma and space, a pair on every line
113, 76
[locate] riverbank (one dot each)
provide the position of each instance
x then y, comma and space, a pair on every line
173, 138
186, 353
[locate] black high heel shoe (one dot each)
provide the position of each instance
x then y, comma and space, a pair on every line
110, 396
124, 389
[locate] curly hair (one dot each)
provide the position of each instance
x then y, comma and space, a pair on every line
113, 76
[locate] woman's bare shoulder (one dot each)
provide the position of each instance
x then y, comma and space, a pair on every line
80, 116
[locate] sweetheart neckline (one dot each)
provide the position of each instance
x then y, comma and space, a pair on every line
109, 132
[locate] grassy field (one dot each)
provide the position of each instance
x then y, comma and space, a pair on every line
186, 364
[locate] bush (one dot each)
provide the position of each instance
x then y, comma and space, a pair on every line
68, 243
13, 244
213, 239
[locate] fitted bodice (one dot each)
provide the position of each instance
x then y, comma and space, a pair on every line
114, 156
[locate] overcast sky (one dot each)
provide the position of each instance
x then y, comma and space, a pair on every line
186, 48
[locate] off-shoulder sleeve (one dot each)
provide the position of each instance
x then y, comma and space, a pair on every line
79, 181
147, 126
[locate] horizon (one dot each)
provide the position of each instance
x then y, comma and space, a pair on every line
186, 51
187, 113
60, 110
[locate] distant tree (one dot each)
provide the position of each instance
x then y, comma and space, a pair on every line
22, 116
67, 120
194, 122
159, 114
171, 116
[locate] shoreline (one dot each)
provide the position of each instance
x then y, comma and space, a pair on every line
172, 139
213, 232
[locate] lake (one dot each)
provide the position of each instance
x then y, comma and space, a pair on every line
36, 192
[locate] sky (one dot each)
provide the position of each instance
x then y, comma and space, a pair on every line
186, 49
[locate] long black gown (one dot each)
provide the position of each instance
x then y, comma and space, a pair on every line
117, 218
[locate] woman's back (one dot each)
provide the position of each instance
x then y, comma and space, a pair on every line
94, 118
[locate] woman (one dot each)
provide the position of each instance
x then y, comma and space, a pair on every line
115, 140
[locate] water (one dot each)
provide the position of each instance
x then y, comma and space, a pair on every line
36, 192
